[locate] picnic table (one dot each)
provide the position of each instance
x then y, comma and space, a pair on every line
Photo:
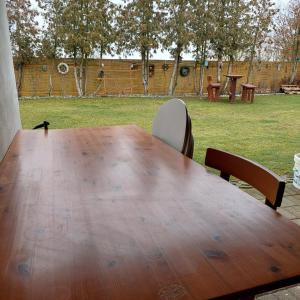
115, 213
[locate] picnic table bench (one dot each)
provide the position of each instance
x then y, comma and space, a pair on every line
290, 88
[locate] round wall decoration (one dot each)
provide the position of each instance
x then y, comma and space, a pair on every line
184, 71
63, 68
165, 67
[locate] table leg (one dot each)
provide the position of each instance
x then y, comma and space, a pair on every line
209, 93
244, 94
232, 89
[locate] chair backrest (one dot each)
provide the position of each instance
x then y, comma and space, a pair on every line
170, 124
265, 181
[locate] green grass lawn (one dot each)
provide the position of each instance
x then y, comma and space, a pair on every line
267, 131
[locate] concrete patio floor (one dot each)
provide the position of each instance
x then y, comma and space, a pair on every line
290, 208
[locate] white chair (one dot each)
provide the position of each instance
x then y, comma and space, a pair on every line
173, 126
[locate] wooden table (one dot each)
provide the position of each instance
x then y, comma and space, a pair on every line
114, 213
233, 79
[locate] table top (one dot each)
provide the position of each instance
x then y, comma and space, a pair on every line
114, 213
234, 76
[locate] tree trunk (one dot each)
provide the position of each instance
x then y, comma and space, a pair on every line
81, 77
143, 55
50, 78
219, 69
145, 70
295, 56
250, 68
229, 71
50, 85
79, 92
173, 80
101, 80
20, 78
202, 67
201, 79
195, 78
249, 75
85, 76
294, 71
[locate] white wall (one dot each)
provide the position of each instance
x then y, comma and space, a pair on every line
9, 106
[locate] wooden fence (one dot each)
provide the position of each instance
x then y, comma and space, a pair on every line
123, 77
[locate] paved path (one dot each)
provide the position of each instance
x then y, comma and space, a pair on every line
290, 208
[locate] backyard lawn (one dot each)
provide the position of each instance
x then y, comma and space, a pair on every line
267, 131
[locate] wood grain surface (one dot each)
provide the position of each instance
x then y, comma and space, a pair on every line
114, 213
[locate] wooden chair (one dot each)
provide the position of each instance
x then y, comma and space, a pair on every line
172, 124
213, 89
265, 181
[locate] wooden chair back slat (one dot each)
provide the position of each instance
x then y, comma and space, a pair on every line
264, 180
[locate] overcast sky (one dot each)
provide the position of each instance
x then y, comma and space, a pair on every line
165, 55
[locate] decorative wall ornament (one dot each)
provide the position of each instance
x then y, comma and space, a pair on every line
151, 70
165, 67
100, 74
63, 68
278, 67
44, 68
184, 71
133, 66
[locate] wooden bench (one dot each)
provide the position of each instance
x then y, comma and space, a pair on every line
290, 88
248, 91
213, 89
